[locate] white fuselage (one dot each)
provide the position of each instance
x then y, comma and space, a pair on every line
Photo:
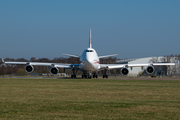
89, 60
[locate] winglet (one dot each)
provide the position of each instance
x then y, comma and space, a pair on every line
2, 60
90, 44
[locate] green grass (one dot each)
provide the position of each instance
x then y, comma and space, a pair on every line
89, 99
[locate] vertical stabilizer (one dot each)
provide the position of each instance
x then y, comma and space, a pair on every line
90, 44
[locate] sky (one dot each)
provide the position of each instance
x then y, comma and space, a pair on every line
129, 28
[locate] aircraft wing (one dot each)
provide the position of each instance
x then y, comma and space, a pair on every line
108, 56
59, 65
72, 55
114, 66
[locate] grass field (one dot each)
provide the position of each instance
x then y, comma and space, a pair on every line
89, 99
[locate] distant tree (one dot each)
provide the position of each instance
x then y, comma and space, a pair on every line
33, 59
108, 60
2, 70
21, 60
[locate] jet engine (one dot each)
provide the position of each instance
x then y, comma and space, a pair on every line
54, 70
124, 71
29, 68
150, 69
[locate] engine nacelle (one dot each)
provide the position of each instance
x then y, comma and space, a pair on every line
54, 70
150, 69
29, 68
124, 71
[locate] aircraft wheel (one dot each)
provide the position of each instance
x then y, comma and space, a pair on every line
73, 76
106, 76
90, 76
95, 76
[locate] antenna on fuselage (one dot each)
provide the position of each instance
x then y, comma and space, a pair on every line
90, 44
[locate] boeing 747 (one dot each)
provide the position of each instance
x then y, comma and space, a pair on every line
89, 65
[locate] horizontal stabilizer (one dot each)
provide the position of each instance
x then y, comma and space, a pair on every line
72, 55
108, 56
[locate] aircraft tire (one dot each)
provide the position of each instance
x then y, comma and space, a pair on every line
73, 76
105, 76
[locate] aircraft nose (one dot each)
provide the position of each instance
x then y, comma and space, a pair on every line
89, 59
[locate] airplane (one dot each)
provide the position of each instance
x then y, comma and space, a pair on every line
89, 64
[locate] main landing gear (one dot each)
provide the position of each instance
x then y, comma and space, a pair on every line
105, 74
89, 75
73, 75
95, 76
86, 76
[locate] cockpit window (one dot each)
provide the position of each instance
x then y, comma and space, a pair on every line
89, 51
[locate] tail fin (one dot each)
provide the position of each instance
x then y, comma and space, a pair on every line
90, 44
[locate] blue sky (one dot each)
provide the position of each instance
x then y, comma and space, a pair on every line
129, 28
